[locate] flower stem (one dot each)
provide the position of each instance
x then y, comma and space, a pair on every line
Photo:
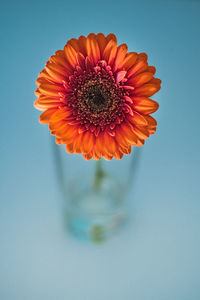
99, 175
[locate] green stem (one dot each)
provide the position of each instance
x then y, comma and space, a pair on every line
99, 174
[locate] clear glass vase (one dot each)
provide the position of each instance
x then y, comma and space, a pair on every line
94, 192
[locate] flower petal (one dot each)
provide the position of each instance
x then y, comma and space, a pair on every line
129, 60
145, 105
140, 79
108, 51
111, 36
46, 115
78, 143
101, 39
138, 119
44, 106
61, 114
141, 132
87, 142
70, 134
119, 59
93, 48
140, 65
70, 148
87, 156
81, 60
55, 125
109, 144
82, 45
44, 77
56, 73
120, 75
151, 69
99, 145
147, 90
51, 89
71, 55
59, 59
118, 154
128, 134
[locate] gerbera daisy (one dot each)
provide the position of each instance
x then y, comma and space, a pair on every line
95, 97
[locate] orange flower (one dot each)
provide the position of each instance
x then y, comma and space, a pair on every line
95, 97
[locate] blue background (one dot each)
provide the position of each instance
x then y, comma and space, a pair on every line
157, 255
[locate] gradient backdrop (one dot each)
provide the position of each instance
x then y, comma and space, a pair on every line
156, 257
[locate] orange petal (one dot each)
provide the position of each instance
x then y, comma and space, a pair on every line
81, 60
111, 57
62, 130
70, 148
71, 55
140, 142
93, 48
55, 74
107, 156
118, 154
60, 114
128, 134
43, 106
145, 105
70, 134
101, 39
124, 150
88, 46
59, 59
82, 45
41, 80
110, 145
151, 121
140, 79
51, 89
155, 81
74, 43
151, 124
151, 69
110, 50
38, 93
87, 142
141, 132
55, 125
59, 141
119, 59
87, 156
99, 146
47, 100
140, 65
138, 119
129, 60
43, 75
96, 155
77, 144
147, 90
111, 36
120, 139
46, 115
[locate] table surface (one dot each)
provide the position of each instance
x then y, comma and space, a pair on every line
156, 256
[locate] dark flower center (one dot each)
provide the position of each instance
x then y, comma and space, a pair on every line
96, 99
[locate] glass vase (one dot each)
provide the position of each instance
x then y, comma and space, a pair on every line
94, 192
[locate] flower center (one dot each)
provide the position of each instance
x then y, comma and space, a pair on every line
96, 99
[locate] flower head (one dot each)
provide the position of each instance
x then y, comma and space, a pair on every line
95, 97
